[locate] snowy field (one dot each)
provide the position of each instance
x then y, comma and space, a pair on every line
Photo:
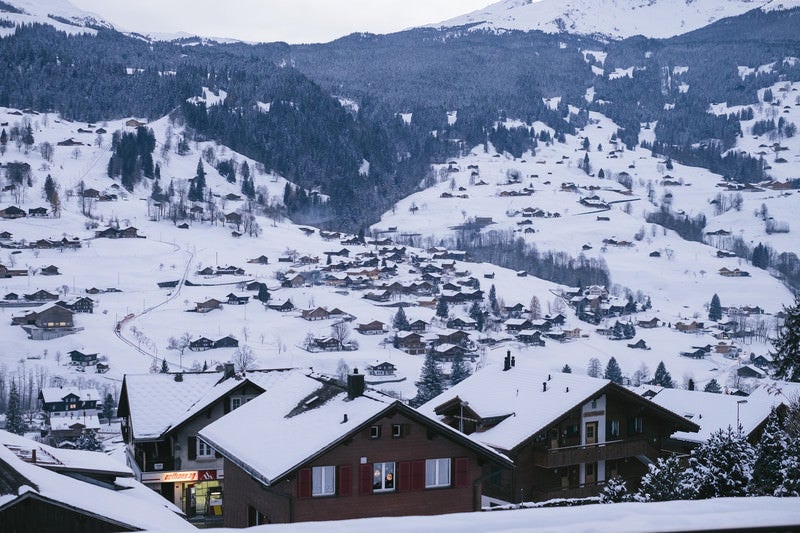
717, 514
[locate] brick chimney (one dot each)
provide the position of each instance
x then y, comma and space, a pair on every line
355, 384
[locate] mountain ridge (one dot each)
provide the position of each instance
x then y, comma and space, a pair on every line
611, 19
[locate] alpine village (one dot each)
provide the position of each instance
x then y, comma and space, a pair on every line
531, 267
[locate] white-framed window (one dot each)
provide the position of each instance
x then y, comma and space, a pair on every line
383, 477
397, 431
236, 402
375, 432
323, 481
437, 473
614, 428
203, 449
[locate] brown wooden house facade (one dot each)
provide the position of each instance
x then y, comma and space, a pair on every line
384, 459
578, 432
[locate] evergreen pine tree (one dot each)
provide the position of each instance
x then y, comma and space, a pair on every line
615, 491
164, 366
613, 371
790, 470
715, 309
476, 314
566, 369
49, 188
14, 421
594, 368
459, 371
786, 346
431, 381
770, 450
263, 293
493, 305
664, 481
400, 321
713, 386
88, 441
662, 377
442, 310
108, 407
722, 466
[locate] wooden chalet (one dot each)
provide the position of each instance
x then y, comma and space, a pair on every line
410, 342
78, 358
368, 456
41, 296
318, 313
207, 306
161, 417
376, 327
382, 369
226, 342
37, 212
566, 434
202, 344
531, 337
233, 299
50, 270
283, 307
260, 260
12, 212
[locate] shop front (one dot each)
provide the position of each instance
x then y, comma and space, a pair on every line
198, 493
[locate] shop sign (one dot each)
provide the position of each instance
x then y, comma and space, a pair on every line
179, 477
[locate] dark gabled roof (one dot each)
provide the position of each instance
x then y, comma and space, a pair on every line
11, 480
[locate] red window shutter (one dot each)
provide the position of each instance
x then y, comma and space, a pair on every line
404, 476
462, 472
365, 479
418, 475
304, 483
345, 480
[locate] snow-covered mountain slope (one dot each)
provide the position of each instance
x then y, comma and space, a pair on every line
611, 18
60, 14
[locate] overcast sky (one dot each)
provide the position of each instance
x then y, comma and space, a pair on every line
293, 21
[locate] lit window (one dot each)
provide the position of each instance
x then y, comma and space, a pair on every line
203, 449
323, 481
437, 473
383, 477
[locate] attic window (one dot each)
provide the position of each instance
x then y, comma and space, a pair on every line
397, 431
375, 432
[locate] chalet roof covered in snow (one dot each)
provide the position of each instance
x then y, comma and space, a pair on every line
519, 397
713, 412
306, 404
245, 433
63, 459
57, 394
136, 507
158, 403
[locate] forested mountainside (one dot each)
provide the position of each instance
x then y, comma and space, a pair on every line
412, 98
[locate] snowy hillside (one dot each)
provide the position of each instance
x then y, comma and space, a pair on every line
137, 324
616, 19
60, 14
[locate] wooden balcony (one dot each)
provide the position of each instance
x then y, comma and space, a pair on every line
573, 455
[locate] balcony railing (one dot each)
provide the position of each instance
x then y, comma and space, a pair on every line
590, 453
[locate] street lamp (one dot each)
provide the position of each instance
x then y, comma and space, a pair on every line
738, 426
461, 418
